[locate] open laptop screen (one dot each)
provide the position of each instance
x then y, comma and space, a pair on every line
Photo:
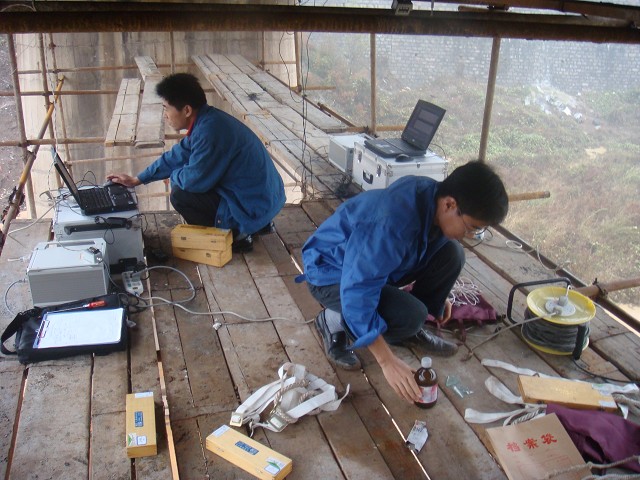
423, 124
64, 173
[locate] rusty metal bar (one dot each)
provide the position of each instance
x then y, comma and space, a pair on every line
165, 17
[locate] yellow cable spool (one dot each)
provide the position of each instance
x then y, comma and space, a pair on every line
564, 316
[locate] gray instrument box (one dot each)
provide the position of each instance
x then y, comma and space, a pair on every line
122, 232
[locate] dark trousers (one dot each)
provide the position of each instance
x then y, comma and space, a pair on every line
404, 312
196, 208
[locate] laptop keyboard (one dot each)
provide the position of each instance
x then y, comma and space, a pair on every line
405, 146
95, 198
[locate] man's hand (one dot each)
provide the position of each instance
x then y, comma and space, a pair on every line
397, 373
446, 314
124, 179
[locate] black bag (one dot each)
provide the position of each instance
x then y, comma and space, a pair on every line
26, 324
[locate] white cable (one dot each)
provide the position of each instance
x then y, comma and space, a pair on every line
150, 303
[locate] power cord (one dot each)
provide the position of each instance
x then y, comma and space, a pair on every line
151, 302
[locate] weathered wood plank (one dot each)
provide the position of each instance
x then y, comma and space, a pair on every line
150, 127
147, 67
108, 456
121, 130
53, 440
281, 92
18, 246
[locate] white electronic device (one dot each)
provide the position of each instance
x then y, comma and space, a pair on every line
132, 283
122, 232
67, 271
341, 150
373, 171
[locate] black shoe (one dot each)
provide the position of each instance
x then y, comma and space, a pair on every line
434, 344
242, 245
266, 230
335, 346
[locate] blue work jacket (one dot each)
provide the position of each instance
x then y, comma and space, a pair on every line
375, 238
222, 153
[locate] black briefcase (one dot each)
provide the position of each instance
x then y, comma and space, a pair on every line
92, 325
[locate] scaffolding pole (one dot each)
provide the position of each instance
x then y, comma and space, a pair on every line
14, 206
20, 118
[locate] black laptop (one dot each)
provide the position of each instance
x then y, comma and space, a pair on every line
95, 200
416, 136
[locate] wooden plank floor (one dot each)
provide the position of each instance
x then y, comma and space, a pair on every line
65, 419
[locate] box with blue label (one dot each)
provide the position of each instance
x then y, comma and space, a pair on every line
141, 425
244, 452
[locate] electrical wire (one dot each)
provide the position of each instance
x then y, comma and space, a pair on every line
150, 302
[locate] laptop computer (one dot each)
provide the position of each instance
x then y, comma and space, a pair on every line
95, 200
416, 136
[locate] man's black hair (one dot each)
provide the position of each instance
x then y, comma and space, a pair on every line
479, 192
182, 89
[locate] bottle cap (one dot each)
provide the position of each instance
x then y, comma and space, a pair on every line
425, 362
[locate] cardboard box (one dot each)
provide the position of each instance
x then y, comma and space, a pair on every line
210, 257
570, 393
141, 425
246, 453
201, 238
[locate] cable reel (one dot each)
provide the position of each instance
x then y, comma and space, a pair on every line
563, 316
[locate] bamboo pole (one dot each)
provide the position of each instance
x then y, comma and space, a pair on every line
374, 83
488, 101
517, 197
20, 119
601, 289
15, 205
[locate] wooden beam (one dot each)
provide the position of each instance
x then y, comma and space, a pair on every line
150, 127
122, 127
68, 16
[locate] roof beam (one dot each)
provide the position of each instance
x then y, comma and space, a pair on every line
69, 17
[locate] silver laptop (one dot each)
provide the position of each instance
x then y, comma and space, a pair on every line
416, 136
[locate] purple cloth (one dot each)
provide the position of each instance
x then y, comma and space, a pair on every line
601, 437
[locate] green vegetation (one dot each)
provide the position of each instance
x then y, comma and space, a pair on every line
586, 155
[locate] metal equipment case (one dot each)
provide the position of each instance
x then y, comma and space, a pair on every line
122, 232
373, 171
61, 272
341, 150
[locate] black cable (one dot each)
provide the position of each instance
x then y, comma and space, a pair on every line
561, 338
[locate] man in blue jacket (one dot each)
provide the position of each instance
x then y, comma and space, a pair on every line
380, 240
221, 174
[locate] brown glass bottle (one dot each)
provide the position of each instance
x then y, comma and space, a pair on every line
427, 380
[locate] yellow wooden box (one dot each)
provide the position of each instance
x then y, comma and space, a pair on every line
216, 258
244, 452
570, 393
201, 238
141, 425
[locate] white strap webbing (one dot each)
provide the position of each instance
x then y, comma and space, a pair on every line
295, 394
500, 391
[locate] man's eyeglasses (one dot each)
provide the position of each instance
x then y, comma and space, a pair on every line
471, 230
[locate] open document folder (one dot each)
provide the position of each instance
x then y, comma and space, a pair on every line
80, 328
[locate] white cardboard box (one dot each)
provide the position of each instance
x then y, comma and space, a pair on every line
372, 171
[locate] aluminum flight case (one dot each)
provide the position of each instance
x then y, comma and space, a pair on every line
372, 171
122, 232
341, 150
